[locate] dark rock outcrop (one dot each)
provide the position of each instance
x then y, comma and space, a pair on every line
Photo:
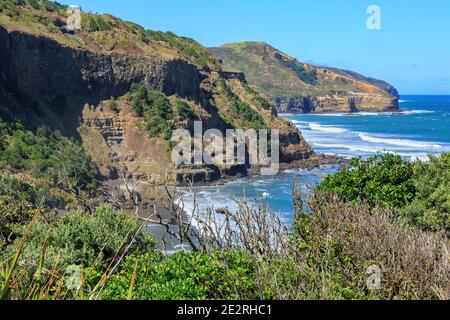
41, 67
49, 73
337, 103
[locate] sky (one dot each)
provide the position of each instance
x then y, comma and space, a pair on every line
411, 50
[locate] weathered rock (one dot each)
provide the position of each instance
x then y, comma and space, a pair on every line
352, 102
51, 75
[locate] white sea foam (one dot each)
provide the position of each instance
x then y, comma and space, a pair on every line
334, 114
398, 142
351, 147
325, 128
417, 112
368, 113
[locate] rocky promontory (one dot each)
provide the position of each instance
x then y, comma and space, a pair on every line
297, 87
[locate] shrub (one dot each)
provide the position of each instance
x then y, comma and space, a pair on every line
19, 202
113, 105
240, 114
263, 102
79, 239
185, 111
191, 49
94, 23
49, 155
419, 191
308, 76
383, 179
191, 276
430, 208
339, 241
158, 116
156, 109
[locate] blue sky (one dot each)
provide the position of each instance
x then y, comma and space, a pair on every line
411, 51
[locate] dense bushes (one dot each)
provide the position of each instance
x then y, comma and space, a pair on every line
342, 243
419, 191
430, 208
185, 111
352, 224
49, 155
37, 173
381, 180
93, 23
78, 238
159, 115
78, 242
19, 202
308, 76
156, 109
218, 275
240, 113
188, 47
114, 105
12, 7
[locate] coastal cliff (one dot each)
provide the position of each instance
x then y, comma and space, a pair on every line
66, 81
297, 87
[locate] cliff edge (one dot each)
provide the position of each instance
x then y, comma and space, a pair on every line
302, 88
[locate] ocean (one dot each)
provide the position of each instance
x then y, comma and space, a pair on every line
422, 127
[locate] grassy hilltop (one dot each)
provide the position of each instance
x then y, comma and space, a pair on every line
281, 77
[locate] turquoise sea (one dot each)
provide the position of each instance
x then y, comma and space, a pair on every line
422, 127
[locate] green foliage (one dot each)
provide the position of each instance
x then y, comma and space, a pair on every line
420, 191
185, 111
380, 180
10, 7
51, 6
79, 239
188, 47
308, 76
94, 23
263, 102
158, 116
338, 241
20, 201
14, 8
33, 3
219, 275
49, 155
156, 109
430, 208
114, 105
240, 114
138, 98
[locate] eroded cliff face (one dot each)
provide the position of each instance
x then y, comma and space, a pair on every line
353, 102
61, 85
41, 67
302, 88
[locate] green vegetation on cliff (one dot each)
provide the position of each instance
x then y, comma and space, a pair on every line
105, 31
239, 113
63, 237
338, 234
277, 75
156, 109
41, 171
419, 191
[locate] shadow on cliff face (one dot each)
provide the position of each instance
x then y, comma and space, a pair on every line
49, 83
